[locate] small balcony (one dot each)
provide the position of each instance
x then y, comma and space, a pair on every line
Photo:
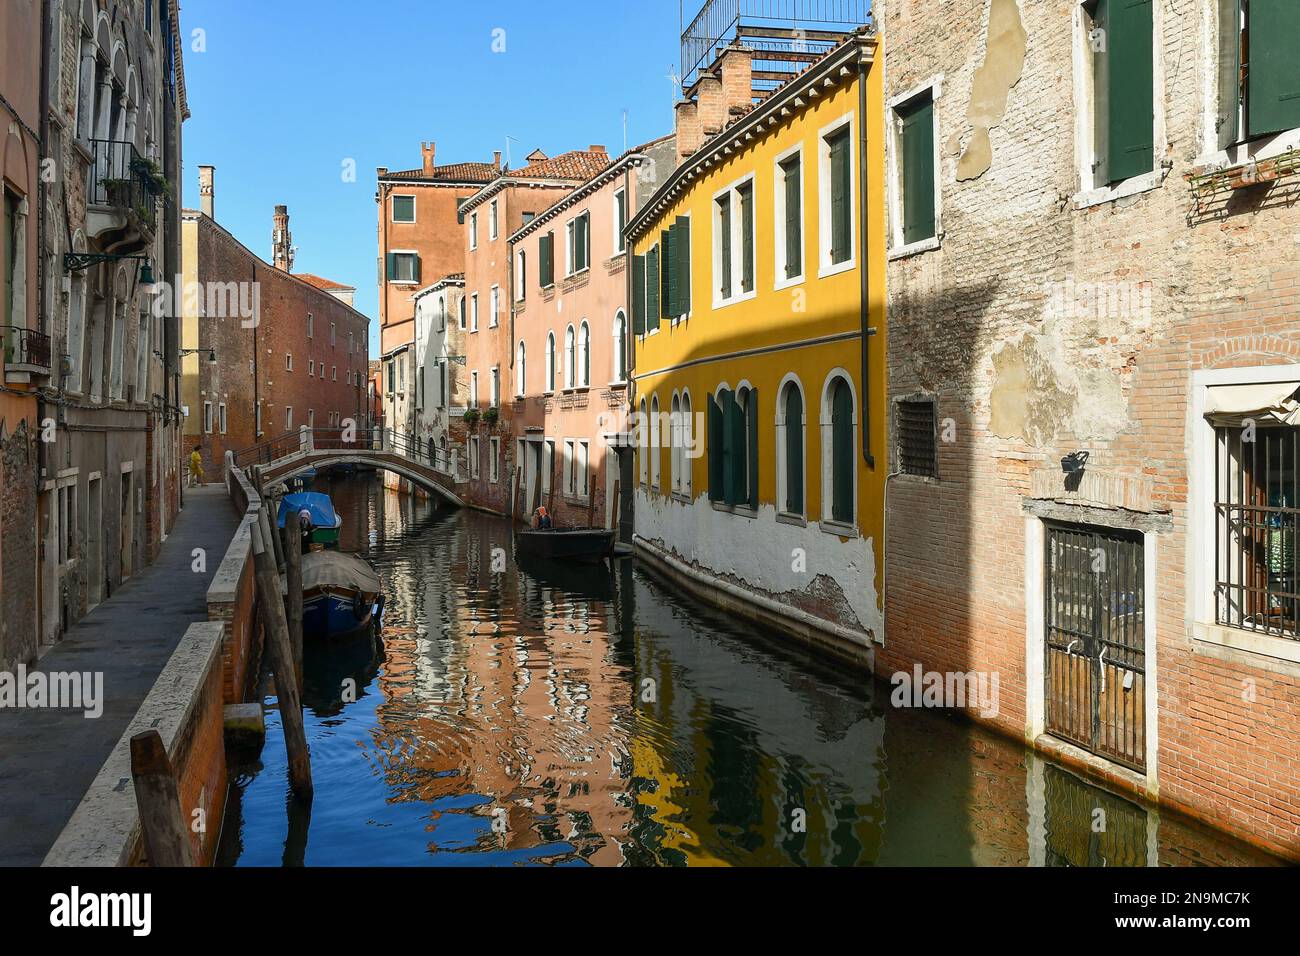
27, 353
123, 194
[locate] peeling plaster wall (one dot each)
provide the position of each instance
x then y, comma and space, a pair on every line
759, 554
1004, 60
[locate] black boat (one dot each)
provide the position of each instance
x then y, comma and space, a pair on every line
567, 544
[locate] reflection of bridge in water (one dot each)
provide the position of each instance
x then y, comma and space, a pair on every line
440, 471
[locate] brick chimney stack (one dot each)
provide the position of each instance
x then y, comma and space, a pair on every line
282, 241
427, 150
206, 186
496, 158
722, 93
736, 65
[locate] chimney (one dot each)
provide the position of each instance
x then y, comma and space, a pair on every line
595, 148
710, 108
496, 158
737, 68
205, 190
281, 240
427, 150
689, 135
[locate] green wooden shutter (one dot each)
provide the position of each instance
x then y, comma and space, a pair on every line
652, 289
683, 265
1229, 71
1273, 82
751, 446
668, 290
390, 266
1131, 88
918, 177
747, 238
716, 438
543, 262
793, 230
724, 227
793, 451
638, 295
842, 453
580, 243
415, 268
733, 448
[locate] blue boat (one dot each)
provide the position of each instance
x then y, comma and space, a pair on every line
341, 594
325, 524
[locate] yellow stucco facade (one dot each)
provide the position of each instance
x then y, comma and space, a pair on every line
801, 331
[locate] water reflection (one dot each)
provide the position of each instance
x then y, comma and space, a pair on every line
550, 714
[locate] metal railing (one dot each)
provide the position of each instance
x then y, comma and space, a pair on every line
24, 346
121, 179
451, 461
720, 22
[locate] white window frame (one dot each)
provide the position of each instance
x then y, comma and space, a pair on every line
737, 243
570, 353
392, 208
521, 373
494, 386
824, 265
582, 353
826, 419
779, 281
473, 231
207, 418
288, 418
473, 389
221, 417
620, 241
288, 361
552, 363
494, 228
619, 331
1092, 193
473, 312
898, 249
415, 254
311, 368
548, 463
494, 300
494, 459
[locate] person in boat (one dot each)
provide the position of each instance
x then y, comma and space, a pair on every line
304, 526
541, 518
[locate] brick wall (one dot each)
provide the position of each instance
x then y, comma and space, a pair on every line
975, 325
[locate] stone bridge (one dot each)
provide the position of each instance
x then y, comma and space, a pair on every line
438, 471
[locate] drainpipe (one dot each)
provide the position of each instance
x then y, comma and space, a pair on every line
864, 306
42, 290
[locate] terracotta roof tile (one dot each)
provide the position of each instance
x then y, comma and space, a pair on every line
579, 164
328, 285
453, 172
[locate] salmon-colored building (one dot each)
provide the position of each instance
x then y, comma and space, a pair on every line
490, 216
570, 346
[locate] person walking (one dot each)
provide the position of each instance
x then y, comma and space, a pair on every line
196, 467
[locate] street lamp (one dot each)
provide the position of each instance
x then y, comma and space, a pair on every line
80, 261
212, 354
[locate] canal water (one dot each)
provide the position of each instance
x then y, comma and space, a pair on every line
515, 715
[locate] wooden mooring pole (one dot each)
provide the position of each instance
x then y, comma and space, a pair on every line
278, 546
271, 609
158, 799
293, 581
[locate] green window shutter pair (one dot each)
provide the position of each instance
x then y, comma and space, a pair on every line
581, 234
841, 155
390, 266
546, 268
842, 453
793, 223
917, 150
683, 264
668, 274
733, 448
1273, 83
751, 446
1130, 87
747, 237
793, 451
638, 295
724, 227
715, 440
652, 289
415, 269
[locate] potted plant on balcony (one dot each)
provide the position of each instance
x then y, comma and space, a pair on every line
118, 192
151, 174
471, 416
491, 415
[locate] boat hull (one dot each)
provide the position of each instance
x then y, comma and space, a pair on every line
333, 612
567, 544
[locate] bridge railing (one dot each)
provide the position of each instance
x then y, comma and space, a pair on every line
271, 450
452, 462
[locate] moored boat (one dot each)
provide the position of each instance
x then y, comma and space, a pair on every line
325, 523
566, 544
341, 593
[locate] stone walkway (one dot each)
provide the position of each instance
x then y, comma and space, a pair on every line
49, 757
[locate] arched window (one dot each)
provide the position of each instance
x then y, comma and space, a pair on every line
569, 363
686, 432
584, 355
838, 421
643, 432
550, 362
654, 441
675, 442
790, 449
620, 334
521, 379
733, 446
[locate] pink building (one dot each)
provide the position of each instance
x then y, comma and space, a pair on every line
570, 345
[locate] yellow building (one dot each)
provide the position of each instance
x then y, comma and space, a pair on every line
759, 349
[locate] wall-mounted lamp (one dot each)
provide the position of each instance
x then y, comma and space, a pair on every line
212, 354
80, 261
1073, 463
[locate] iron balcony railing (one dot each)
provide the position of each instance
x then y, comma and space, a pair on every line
27, 347
787, 30
122, 178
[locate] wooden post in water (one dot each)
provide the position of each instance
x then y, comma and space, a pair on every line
614, 509
293, 581
277, 545
158, 799
271, 609
591, 499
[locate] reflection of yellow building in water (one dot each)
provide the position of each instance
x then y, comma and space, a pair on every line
758, 301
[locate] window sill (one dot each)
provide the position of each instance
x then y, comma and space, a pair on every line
783, 284
1246, 644
1087, 199
783, 517
915, 248
838, 528
682, 497
742, 511
402, 282
735, 299
826, 271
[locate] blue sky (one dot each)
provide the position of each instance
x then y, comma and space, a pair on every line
287, 90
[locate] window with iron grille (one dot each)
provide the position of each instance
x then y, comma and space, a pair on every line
1256, 493
914, 429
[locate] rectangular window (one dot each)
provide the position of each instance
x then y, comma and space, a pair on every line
496, 387
569, 468
311, 418
288, 418
473, 457
1123, 89
915, 123
620, 220
914, 425
311, 368
492, 220
494, 459
473, 230
473, 312
288, 361
207, 418
548, 464
403, 267
461, 309
788, 219
546, 252
403, 209
722, 248
746, 194
577, 252
334, 373
311, 325
581, 484
9, 250
221, 418
333, 335
493, 316
521, 276
473, 389
638, 295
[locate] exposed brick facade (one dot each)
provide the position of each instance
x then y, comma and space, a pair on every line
1022, 383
